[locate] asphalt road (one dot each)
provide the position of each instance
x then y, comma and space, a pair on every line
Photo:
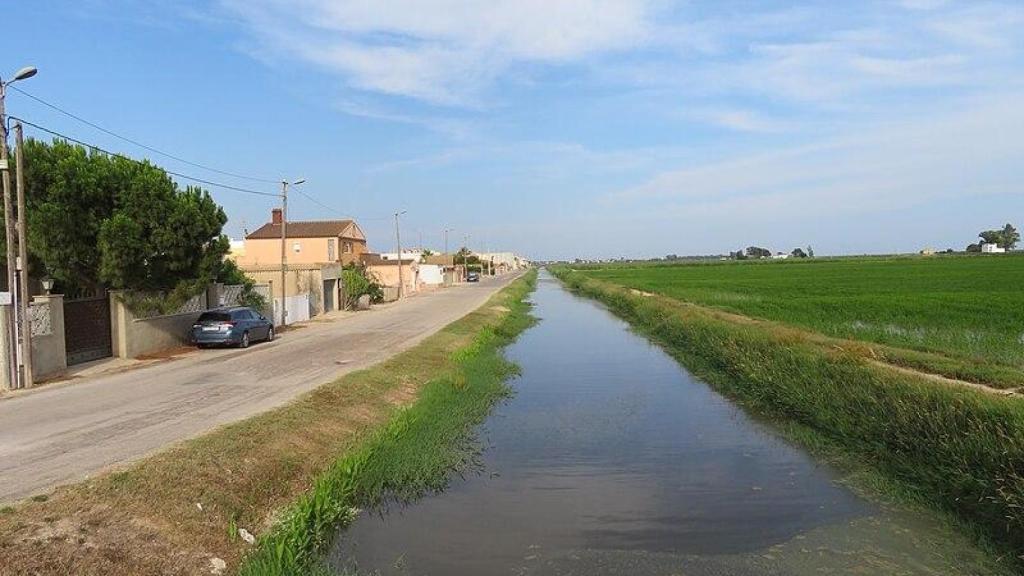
53, 436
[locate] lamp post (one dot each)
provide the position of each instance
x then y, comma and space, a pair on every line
465, 260
12, 327
398, 241
284, 246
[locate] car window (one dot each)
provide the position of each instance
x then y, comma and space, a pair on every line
214, 317
242, 315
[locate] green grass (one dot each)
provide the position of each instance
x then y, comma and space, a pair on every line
958, 316
414, 454
957, 449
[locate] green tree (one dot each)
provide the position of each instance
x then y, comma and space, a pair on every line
991, 236
758, 252
1007, 237
96, 221
798, 253
810, 251
1010, 237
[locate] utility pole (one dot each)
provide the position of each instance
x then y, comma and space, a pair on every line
284, 252
446, 231
10, 328
465, 259
284, 248
26, 322
12, 323
398, 240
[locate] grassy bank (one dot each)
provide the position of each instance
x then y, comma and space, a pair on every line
280, 475
954, 315
414, 454
955, 448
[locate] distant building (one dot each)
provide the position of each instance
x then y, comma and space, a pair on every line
780, 256
386, 272
237, 249
503, 261
927, 251
992, 248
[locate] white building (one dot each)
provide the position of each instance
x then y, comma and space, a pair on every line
992, 248
503, 261
407, 254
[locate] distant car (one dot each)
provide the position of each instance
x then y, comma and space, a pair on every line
231, 326
473, 277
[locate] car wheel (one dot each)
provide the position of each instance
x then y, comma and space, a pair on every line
245, 340
270, 334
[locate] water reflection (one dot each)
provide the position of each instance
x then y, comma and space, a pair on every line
607, 447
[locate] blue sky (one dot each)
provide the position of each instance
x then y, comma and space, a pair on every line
591, 128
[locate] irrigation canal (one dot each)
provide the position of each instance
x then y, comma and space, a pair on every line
612, 459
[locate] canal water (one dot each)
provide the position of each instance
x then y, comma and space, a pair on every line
611, 459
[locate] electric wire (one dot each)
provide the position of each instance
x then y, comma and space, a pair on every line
140, 144
118, 155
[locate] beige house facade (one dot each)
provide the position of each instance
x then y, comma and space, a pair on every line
386, 273
306, 241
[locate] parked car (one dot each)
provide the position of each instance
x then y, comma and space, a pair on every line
473, 277
236, 326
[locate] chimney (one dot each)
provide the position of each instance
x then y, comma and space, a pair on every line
275, 216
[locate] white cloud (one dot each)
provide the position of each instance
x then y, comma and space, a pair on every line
739, 120
970, 150
445, 51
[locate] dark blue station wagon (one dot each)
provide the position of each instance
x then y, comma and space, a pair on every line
231, 326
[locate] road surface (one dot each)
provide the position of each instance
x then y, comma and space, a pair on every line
57, 435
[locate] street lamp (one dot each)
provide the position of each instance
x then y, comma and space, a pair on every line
47, 284
284, 242
22, 74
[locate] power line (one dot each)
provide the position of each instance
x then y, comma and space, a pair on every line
334, 210
117, 155
140, 144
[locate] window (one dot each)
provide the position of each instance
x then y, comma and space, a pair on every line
330, 248
346, 247
297, 246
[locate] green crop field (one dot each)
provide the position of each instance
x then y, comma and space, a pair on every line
965, 308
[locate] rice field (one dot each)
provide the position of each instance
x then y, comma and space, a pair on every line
968, 308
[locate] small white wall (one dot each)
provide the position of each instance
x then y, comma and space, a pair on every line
297, 306
431, 275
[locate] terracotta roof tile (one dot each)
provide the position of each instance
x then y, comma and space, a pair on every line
302, 229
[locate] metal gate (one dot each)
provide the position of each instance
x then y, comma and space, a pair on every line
329, 291
87, 329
